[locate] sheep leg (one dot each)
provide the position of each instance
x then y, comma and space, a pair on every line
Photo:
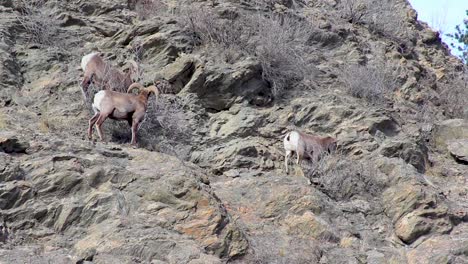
134, 132
85, 83
332, 148
286, 159
300, 156
317, 154
88, 78
298, 161
99, 122
92, 121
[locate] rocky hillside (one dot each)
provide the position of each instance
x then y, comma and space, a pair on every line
207, 182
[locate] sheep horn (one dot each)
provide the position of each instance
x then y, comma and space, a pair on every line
135, 85
153, 89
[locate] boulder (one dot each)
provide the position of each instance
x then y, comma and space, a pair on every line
9, 143
310, 225
459, 149
442, 249
9, 169
421, 222
218, 87
449, 130
178, 73
414, 210
412, 153
103, 204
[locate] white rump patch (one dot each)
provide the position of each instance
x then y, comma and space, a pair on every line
291, 141
97, 101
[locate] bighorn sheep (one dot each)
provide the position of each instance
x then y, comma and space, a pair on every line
121, 106
306, 146
99, 72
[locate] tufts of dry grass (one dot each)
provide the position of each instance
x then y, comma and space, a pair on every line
37, 22
342, 178
278, 41
42, 29
374, 82
454, 95
147, 9
354, 10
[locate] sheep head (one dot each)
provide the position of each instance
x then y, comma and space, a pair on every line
142, 90
134, 70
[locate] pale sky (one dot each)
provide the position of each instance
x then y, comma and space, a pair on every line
441, 15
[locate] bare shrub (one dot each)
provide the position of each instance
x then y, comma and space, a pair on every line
454, 95
207, 28
146, 9
276, 5
226, 38
341, 178
373, 82
43, 29
38, 22
92, 90
278, 41
354, 10
281, 48
424, 115
383, 20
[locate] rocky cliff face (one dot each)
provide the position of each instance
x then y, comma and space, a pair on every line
207, 183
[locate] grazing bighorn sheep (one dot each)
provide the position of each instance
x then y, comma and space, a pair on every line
306, 146
104, 75
121, 106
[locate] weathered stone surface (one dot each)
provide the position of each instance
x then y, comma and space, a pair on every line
9, 143
218, 87
450, 130
309, 225
413, 153
179, 72
14, 194
9, 169
115, 202
459, 149
421, 222
430, 37
403, 199
440, 249
66, 200
415, 212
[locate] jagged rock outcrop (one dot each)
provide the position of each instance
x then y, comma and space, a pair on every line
116, 201
395, 191
459, 149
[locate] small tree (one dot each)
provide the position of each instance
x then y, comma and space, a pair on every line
461, 37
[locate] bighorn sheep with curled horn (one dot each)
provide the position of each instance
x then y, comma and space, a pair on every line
306, 146
99, 72
121, 106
